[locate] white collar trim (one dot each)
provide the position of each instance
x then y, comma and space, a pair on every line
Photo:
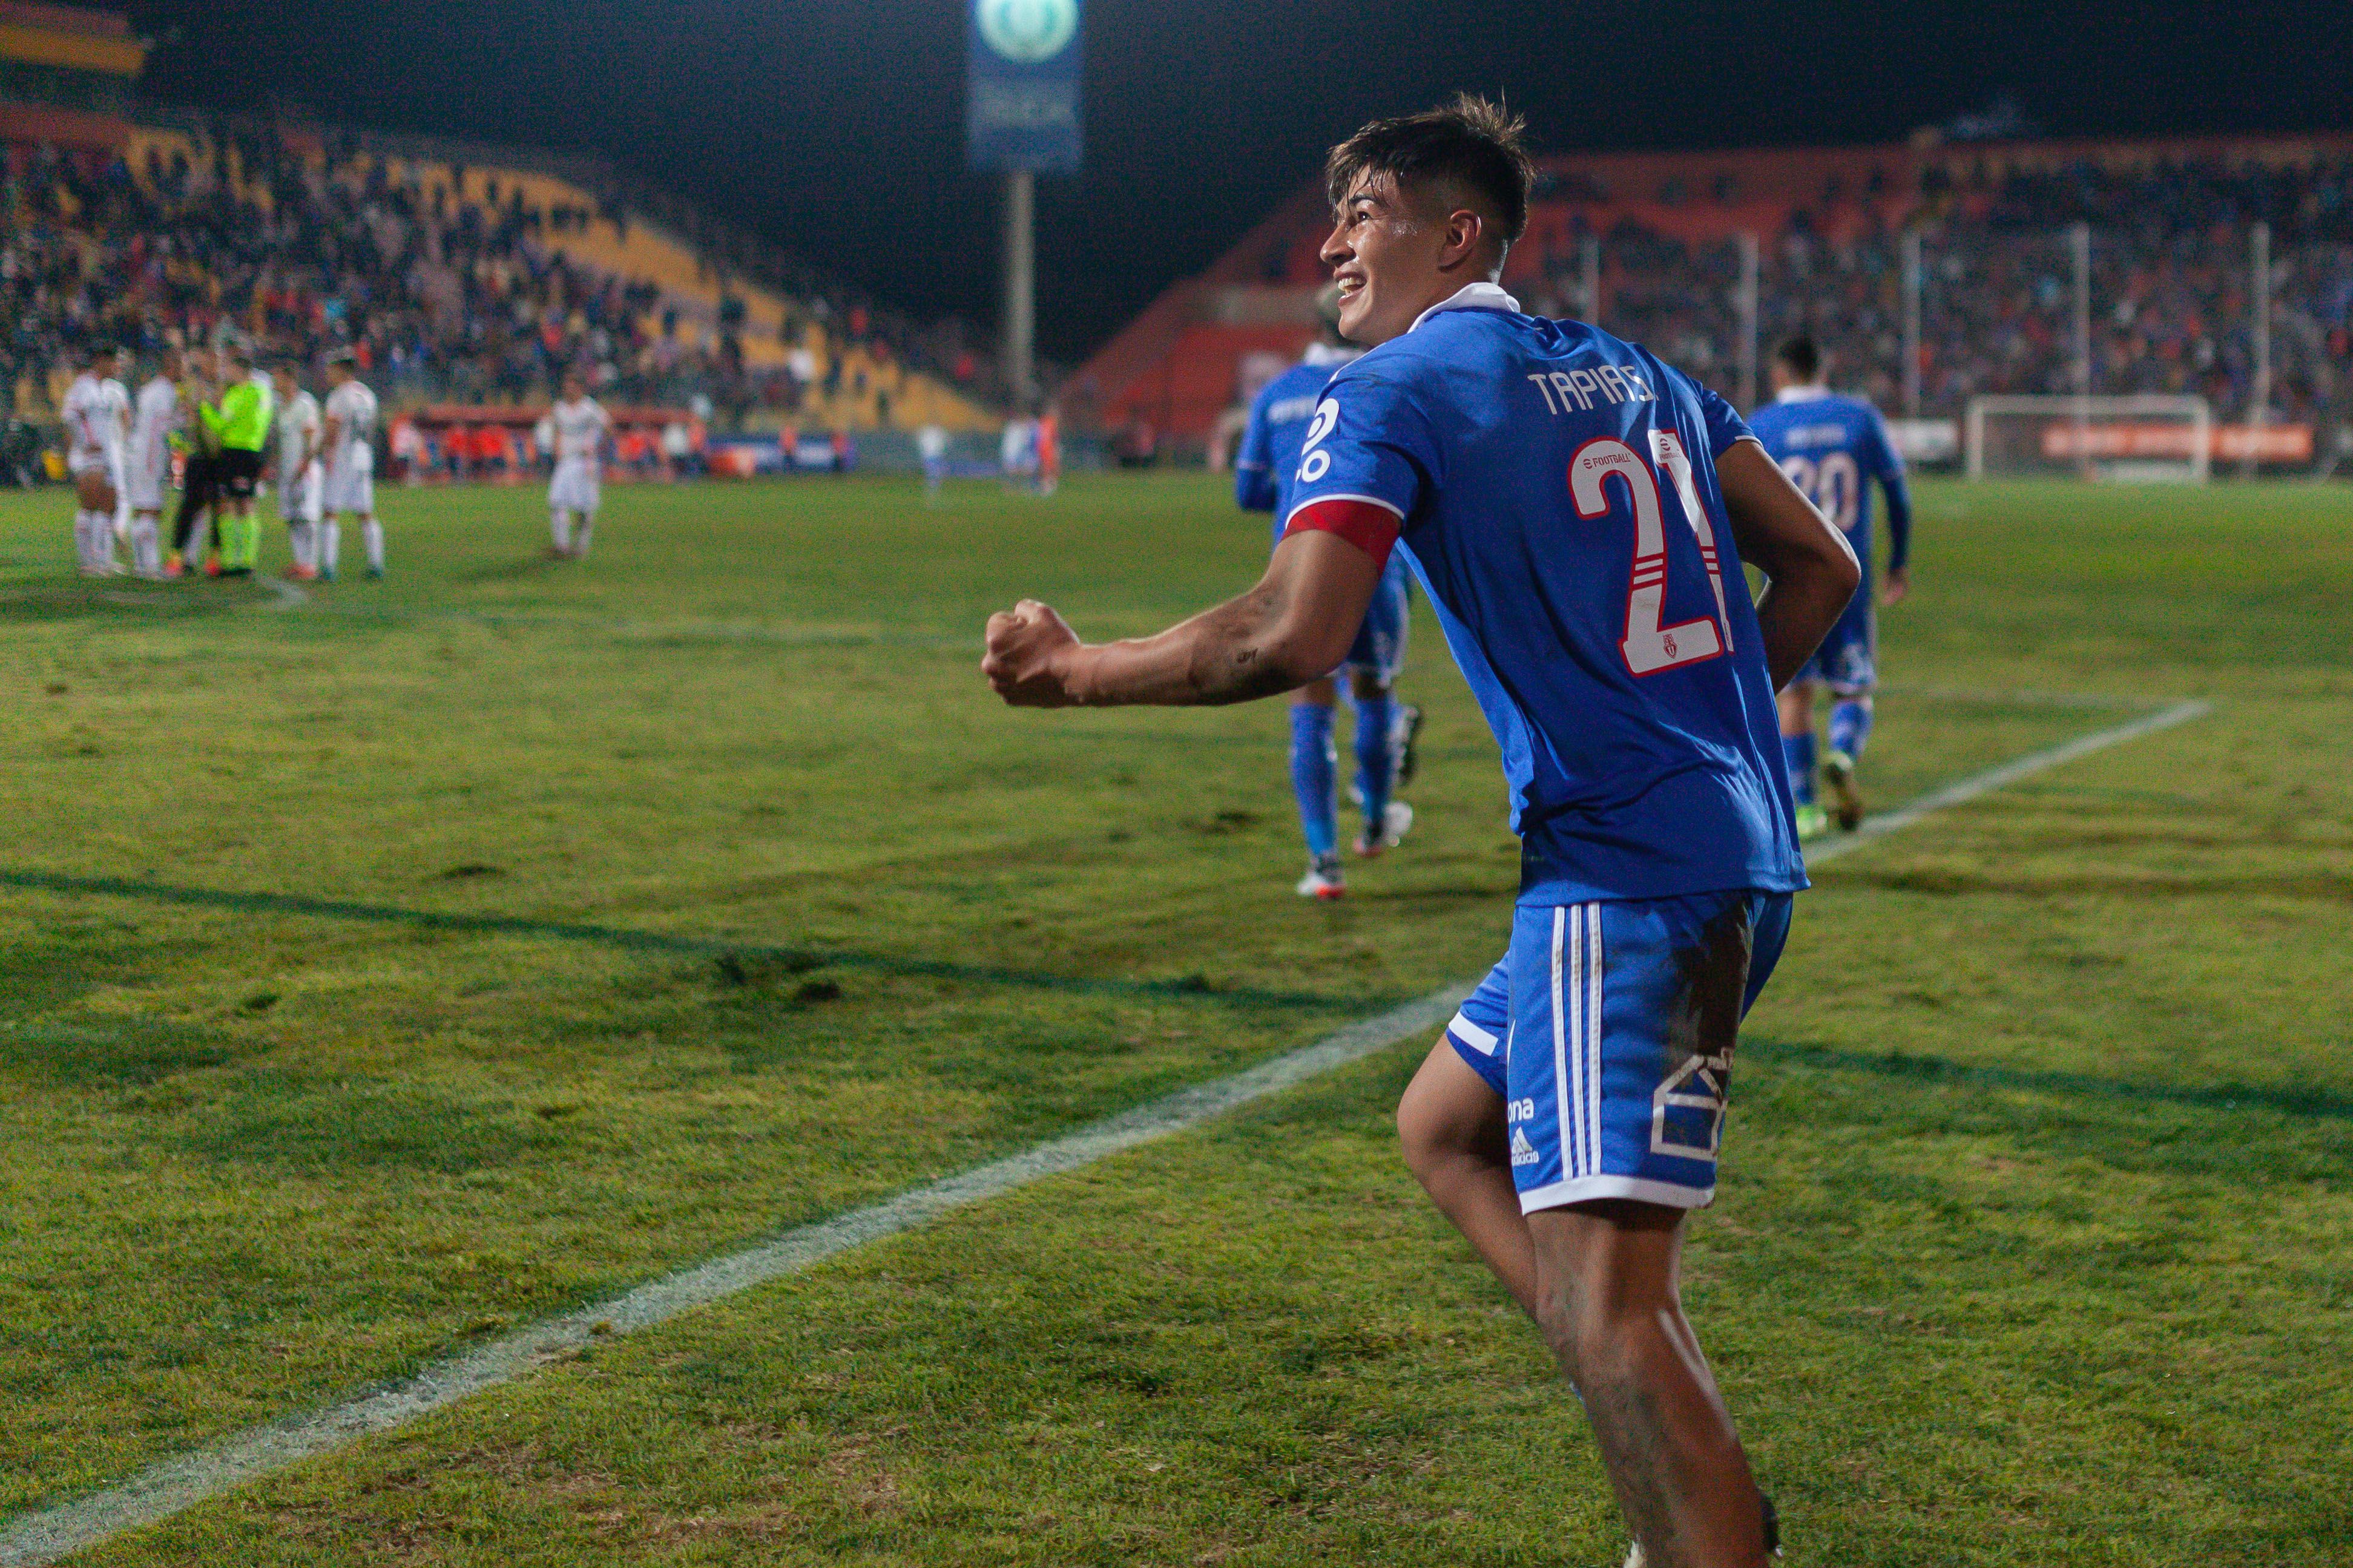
1814, 394
1330, 354
1470, 297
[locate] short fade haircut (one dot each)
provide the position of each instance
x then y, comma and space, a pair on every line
1801, 355
1478, 146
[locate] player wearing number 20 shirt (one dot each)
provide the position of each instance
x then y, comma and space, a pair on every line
1555, 490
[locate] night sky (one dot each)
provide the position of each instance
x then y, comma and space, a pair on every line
837, 130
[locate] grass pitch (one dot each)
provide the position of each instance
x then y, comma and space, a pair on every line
389, 969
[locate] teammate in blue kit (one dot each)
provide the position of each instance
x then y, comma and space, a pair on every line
1386, 730
1573, 508
1835, 448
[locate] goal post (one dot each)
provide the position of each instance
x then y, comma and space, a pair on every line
2142, 437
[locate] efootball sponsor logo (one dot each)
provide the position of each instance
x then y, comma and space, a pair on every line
1027, 30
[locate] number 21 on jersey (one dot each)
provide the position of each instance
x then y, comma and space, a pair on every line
1648, 646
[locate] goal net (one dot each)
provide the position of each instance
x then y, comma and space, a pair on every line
2124, 438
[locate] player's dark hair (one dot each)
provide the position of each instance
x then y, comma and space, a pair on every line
1473, 144
1802, 356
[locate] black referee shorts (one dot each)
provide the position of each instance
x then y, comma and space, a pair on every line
238, 472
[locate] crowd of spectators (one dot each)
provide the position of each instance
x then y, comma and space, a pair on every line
443, 299
2171, 286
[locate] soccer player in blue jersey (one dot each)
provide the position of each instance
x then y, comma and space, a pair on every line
1386, 730
1835, 448
1572, 507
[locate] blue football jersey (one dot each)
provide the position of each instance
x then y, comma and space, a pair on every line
1269, 456
1558, 495
1835, 448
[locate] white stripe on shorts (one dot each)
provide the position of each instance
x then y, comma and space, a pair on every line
1564, 1097
1464, 1032
1593, 1035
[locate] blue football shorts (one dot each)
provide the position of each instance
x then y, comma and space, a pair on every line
1847, 660
1608, 1031
1379, 647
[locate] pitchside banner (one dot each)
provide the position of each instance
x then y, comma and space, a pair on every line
1024, 109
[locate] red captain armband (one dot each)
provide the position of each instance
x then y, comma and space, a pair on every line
1371, 526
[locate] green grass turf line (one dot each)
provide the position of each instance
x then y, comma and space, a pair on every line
621, 937
175, 1485
171, 1487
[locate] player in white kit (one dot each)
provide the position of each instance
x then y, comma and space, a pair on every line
117, 394
96, 413
147, 468
296, 430
351, 416
582, 427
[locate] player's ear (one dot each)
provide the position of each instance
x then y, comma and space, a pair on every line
1466, 236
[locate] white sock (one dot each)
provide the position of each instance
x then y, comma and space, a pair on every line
146, 547
96, 530
82, 542
373, 532
305, 547
331, 544
587, 531
123, 521
559, 522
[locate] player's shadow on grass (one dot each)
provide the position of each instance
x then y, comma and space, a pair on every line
2246, 1135
623, 938
123, 599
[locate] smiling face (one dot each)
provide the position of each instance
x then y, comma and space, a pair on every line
1394, 253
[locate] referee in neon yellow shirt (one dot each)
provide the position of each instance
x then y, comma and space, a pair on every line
241, 422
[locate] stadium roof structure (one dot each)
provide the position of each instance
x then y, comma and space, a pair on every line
68, 55
1180, 365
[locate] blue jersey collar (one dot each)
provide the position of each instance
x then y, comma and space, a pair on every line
1470, 297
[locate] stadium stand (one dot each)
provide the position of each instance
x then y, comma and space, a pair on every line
1661, 237
461, 275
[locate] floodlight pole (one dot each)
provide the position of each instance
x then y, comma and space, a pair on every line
1912, 286
1749, 308
1021, 288
1592, 280
2260, 265
2081, 235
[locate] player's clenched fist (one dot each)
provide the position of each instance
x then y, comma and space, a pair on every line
1030, 660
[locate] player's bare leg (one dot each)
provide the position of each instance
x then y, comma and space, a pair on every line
1609, 1300
1456, 1143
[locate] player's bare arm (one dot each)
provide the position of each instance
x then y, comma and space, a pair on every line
1811, 570
1293, 627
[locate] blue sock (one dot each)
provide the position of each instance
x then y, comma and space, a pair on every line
1375, 762
1851, 728
1310, 776
1798, 752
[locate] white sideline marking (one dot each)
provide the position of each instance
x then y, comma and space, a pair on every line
1875, 828
174, 1485
177, 1485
